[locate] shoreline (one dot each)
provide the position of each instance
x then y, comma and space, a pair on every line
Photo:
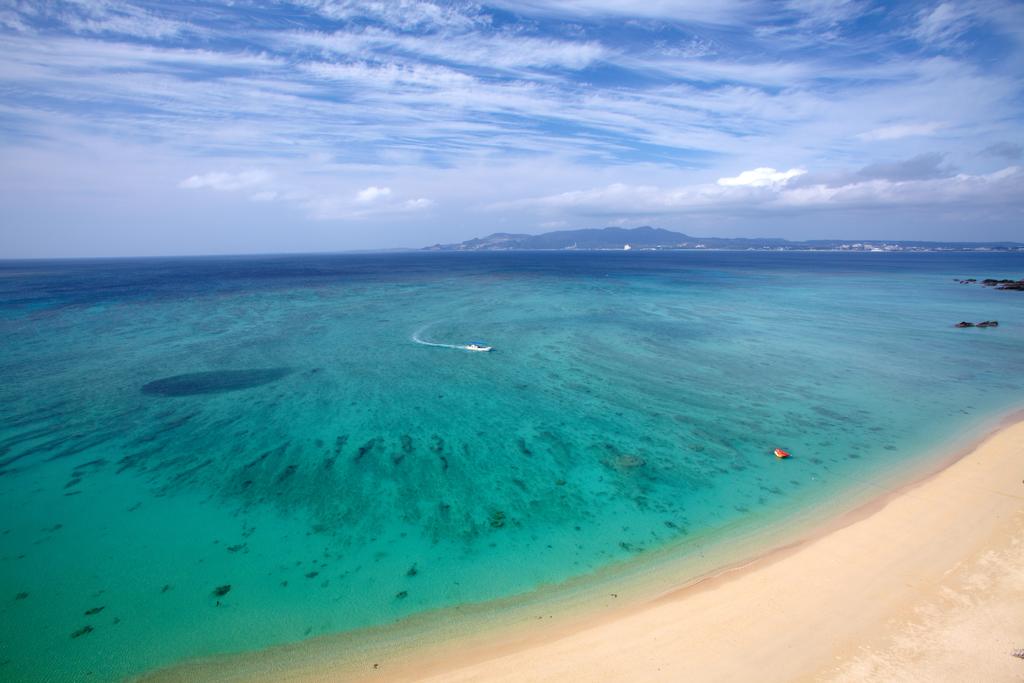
508, 639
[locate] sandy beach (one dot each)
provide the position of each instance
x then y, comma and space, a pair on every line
927, 586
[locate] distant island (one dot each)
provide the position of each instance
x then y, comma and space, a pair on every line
649, 238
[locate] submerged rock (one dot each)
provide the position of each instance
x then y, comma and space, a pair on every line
1017, 285
214, 382
983, 323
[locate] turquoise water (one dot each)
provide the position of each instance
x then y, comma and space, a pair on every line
169, 427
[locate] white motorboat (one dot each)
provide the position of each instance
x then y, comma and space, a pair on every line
478, 346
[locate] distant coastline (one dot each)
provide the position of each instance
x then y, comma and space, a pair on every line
646, 238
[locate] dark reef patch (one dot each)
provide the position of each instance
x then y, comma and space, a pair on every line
288, 472
214, 382
366, 448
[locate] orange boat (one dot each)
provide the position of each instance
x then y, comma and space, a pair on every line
779, 453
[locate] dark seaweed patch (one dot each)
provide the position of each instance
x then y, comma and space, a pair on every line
288, 471
366, 448
92, 464
407, 448
214, 382
191, 471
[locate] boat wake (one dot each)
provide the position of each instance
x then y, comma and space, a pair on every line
461, 347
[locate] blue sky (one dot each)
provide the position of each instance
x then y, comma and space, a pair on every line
244, 126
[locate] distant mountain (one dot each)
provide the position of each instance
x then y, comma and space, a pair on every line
646, 237
591, 238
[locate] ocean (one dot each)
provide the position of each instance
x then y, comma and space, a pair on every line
210, 455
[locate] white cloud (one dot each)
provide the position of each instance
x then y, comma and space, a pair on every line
310, 189
226, 182
387, 75
372, 193
721, 11
903, 130
942, 24
991, 188
761, 194
403, 14
368, 203
505, 51
762, 177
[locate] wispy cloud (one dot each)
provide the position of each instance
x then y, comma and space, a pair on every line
555, 111
942, 24
226, 182
318, 198
765, 189
902, 130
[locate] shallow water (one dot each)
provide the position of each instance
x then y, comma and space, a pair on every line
171, 426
